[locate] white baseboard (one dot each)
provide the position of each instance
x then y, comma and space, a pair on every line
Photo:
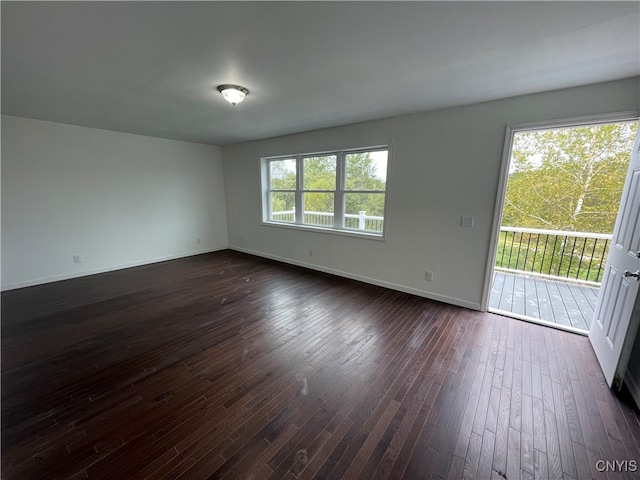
634, 387
373, 281
84, 273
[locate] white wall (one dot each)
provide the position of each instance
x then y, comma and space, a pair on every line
445, 164
120, 200
115, 199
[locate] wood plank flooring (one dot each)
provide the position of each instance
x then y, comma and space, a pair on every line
230, 366
562, 303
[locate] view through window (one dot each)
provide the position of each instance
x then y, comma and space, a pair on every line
562, 198
342, 191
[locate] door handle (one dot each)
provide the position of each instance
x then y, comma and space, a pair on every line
635, 274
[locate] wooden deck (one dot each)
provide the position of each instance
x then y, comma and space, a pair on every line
561, 303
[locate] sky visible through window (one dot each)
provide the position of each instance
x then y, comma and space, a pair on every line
378, 158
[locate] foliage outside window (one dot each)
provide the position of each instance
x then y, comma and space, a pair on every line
343, 190
562, 199
568, 178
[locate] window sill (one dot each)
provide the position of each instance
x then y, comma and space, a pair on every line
381, 237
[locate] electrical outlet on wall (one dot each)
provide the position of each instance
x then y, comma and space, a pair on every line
428, 276
311, 253
466, 221
77, 259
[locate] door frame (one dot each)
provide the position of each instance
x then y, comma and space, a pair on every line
511, 130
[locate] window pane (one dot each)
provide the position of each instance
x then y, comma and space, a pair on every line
319, 172
282, 174
283, 206
364, 211
366, 170
318, 209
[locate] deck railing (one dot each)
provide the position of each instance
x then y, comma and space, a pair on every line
361, 221
574, 256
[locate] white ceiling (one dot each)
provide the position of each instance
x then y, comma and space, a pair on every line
152, 68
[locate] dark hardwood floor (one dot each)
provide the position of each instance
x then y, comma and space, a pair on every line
230, 366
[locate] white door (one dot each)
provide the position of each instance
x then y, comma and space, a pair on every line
617, 314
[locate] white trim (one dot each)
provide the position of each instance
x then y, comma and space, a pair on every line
339, 192
625, 116
338, 199
538, 321
633, 387
497, 217
604, 118
380, 283
67, 276
329, 151
299, 193
555, 278
332, 230
558, 233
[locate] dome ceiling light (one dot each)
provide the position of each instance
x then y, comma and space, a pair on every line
233, 94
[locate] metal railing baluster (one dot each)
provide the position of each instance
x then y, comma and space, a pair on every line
526, 253
544, 252
602, 259
593, 251
513, 238
573, 249
535, 253
559, 254
553, 253
584, 245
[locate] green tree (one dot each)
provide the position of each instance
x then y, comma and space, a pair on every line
569, 178
361, 173
319, 173
283, 177
364, 175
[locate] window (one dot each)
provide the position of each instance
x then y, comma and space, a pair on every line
282, 189
340, 191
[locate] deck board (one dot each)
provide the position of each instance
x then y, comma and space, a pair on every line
518, 294
532, 308
544, 302
585, 301
496, 289
506, 298
560, 313
573, 312
539, 298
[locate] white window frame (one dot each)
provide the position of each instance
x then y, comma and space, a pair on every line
339, 193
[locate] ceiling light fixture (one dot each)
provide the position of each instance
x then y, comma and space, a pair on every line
233, 94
